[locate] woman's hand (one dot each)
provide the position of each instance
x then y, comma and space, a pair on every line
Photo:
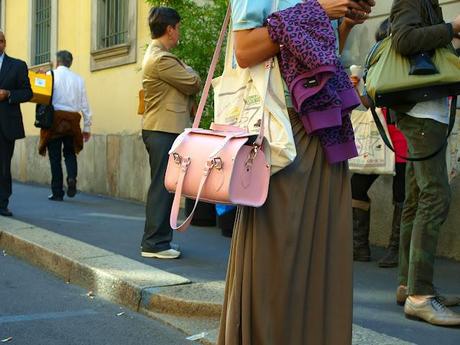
357, 10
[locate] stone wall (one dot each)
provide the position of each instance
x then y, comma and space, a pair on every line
114, 165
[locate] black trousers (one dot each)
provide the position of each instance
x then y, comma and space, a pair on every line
6, 154
157, 231
56, 148
360, 184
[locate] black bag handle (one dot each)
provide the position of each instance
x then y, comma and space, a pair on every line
434, 19
386, 140
52, 87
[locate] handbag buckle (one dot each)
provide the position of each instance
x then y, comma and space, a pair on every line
185, 163
252, 156
177, 158
214, 163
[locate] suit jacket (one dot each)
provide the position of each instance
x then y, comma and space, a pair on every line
168, 89
14, 78
411, 28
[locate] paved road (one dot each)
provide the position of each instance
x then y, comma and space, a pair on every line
117, 226
38, 309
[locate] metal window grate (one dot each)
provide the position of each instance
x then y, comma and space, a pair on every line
114, 23
42, 31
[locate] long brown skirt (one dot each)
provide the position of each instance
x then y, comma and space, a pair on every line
289, 279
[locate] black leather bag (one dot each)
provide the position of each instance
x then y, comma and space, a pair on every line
422, 64
44, 113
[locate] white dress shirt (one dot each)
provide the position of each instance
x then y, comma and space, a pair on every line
69, 94
1, 60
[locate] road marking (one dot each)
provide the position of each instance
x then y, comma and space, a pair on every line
46, 316
114, 216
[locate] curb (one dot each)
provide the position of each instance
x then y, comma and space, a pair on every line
193, 300
106, 274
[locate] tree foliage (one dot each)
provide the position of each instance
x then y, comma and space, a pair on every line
200, 27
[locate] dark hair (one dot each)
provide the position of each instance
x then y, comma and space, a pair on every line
383, 31
160, 18
64, 57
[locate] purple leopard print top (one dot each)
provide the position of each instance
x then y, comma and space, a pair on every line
321, 91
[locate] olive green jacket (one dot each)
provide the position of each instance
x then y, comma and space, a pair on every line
411, 29
169, 89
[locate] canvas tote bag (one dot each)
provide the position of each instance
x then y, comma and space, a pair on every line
217, 165
238, 102
374, 156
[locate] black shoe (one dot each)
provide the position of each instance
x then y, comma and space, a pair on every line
5, 212
71, 187
53, 197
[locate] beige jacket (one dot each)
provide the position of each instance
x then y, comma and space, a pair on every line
168, 89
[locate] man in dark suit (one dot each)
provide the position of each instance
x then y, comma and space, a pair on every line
14, 89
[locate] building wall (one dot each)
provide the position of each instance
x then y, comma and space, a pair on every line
114, 162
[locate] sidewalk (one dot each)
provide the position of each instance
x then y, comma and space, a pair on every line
94, 242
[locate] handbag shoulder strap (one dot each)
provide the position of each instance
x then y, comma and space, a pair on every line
386, 140
268, 67
212, 69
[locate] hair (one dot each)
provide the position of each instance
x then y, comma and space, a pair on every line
64, 57
160, 18
383, 31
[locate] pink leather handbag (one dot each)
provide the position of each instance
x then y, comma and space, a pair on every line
216, 165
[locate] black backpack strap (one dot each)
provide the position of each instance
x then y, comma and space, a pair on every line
386, 140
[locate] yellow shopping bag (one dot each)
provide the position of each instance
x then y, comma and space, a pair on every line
42, 87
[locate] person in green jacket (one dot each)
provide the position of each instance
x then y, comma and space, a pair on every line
427, 188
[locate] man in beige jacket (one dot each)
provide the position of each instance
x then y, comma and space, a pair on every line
169, 86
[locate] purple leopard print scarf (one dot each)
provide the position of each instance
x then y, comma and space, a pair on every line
321, 91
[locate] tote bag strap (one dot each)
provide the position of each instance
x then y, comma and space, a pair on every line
387, 141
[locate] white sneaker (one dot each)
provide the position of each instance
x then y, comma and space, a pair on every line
165, 254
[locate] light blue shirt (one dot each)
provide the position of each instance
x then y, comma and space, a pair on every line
250, 14
1, 60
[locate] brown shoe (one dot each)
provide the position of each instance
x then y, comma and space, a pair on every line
431, 311
448, 301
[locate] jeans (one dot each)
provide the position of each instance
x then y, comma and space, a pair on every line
426, 206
